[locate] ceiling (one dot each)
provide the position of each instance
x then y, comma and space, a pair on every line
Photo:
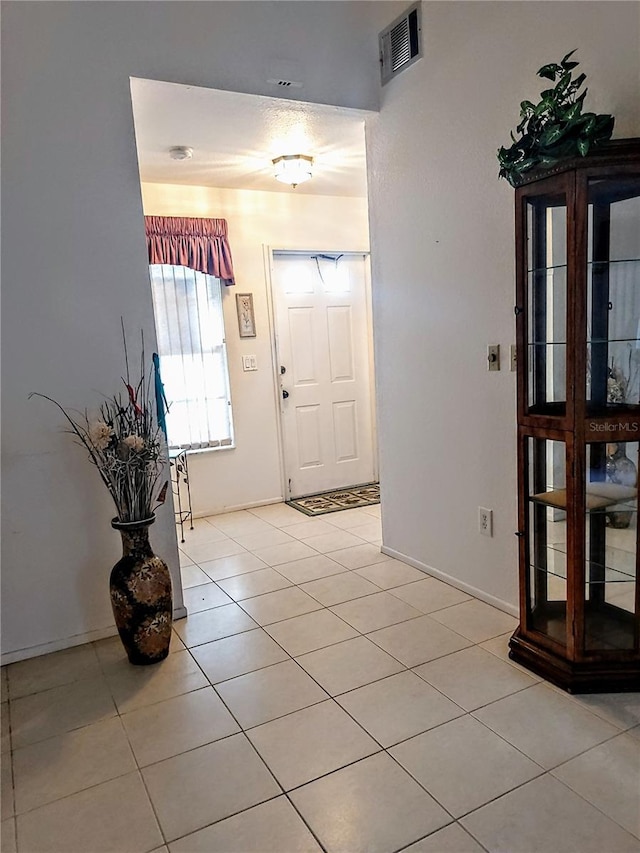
235, 137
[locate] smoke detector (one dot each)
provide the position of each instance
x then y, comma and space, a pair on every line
181, 152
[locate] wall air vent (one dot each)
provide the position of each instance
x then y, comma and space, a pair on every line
285, 84
400, 43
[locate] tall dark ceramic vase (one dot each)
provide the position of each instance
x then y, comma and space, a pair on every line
141, 599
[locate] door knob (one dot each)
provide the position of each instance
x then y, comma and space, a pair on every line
285, 394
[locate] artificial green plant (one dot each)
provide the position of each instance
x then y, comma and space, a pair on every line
555, 128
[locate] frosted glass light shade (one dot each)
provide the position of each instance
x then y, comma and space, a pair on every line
293, 169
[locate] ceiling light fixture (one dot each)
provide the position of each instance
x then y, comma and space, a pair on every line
293, 169
181, 152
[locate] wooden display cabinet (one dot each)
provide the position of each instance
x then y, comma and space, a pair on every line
578, 355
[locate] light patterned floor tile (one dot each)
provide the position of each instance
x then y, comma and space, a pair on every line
238, 523
375, 611
608, 776
114, 816
311, 527
372, 509
176, 725
348, 665
238, 655
280, 515
264, 539
269, 693
193, 576
184, 797
310, 569
545, 725
273, 827
338, 588
348, 518
7, 805
204, 597
398, 707
430, 594
391, 573
202, 534
359, 556
371, 806
184, 560
370, 531
61, 709
451, 839
199, 628
336, 541
280, 605
135, 686
464, 765
8, 836
310, 743
473, 677
66, 764
418, 640
286, 553
476, 620
208, 551
6, 728
253, 583
42, 673
546, 816
310, 632
236, 564
621, 709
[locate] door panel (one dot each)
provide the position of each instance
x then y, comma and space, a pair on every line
322, 332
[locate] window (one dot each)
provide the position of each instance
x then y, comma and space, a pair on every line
193, 356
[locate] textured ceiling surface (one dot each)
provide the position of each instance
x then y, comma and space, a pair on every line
236, 136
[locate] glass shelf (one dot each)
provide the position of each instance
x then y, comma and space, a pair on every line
620, 566
613, 261
601, 497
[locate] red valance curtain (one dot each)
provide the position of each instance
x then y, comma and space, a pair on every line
200, 244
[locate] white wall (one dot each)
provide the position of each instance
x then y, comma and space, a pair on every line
443, 264
74, 251
251, 472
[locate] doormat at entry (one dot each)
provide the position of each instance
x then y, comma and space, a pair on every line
319, 504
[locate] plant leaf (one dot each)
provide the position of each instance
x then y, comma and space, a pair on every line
568, 56
549, 71
583, 146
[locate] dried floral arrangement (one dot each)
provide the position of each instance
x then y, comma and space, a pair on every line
125, 443
555, 128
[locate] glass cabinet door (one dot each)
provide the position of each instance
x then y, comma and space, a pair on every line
611, 505
613, 294
547, 538
546, 230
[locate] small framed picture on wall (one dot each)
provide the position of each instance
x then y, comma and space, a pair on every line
246, 316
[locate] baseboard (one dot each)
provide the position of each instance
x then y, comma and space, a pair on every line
70, 642
505, 606
238, 507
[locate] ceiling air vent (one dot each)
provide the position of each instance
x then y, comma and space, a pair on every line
400, 43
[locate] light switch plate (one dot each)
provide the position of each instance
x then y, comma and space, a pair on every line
493, 357
249, 362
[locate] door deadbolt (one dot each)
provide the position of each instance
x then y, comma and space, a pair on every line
283, 370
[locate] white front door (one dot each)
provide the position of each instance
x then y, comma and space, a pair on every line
322, 332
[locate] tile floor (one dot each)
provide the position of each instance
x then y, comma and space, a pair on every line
320, 696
